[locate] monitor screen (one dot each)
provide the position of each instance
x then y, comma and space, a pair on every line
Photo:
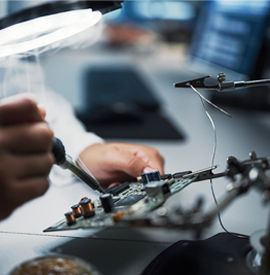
231, 33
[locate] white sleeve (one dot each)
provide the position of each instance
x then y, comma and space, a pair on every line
61, 118
60, 114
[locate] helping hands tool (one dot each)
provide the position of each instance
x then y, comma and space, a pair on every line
222, 85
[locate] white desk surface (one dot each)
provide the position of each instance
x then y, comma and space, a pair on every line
129, 251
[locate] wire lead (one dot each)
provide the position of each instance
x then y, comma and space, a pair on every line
214, 155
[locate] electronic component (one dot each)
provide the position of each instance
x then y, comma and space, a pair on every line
70, 218
130, 200
87, 208
158, 189
121, 201
166, 176
151, 176
144, 178
136, 203
107, 203
76, 210
118, 188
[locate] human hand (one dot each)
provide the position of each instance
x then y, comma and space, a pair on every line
25, 152
119, 162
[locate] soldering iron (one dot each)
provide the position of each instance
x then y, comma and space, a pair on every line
66, 162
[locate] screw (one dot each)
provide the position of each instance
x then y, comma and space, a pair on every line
252, 155
221, 77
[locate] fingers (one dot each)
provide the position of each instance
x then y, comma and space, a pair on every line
22, 178
128, 163
26, 138
30, 188
137, 159
119, 162
18, 109
155, 161
22, 167
25, 152
23, 129
23, 191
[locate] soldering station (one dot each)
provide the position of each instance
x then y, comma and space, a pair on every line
143, 202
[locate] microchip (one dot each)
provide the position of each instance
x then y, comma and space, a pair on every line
118, 188
130, 200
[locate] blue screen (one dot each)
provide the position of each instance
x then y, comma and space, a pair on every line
231, 33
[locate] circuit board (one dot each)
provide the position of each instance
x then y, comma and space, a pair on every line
125, 202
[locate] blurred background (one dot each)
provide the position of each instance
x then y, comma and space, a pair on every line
106, 82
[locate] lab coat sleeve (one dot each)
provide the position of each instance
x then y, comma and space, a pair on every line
66, 127
25, 77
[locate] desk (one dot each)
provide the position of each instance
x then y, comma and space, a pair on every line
129, 251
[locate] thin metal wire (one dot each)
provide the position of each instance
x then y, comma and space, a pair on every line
211, 103
214, 155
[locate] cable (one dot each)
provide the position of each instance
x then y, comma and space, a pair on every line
214, 155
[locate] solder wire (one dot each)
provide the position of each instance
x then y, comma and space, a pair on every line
82, 165
214, 154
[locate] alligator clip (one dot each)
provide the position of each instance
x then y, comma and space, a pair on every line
197, 83
205, 174
222, 85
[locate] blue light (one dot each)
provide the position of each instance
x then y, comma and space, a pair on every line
241, 6
166, 10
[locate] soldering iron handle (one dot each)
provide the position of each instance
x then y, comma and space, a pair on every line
58, 151
66, 162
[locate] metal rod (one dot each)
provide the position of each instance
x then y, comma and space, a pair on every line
86, 178
251, 83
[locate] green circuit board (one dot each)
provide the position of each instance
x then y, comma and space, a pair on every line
130, 201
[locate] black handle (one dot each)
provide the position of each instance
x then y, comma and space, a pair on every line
58, 151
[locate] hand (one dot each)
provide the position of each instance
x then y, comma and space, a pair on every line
25, 158
119, 162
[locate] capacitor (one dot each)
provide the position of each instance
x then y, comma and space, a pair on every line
87, 208
156, 176
76, 210
70, 218
84, 198
150, 176
107, 203
171, 181
144, 178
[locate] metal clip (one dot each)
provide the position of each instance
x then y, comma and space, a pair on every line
196, 83
222, 85
205, 174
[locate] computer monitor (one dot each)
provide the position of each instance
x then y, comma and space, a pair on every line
230, 34
230, 37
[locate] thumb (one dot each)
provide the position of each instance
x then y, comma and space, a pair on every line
42, 110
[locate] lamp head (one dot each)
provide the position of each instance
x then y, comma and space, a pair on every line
45, 24
57, 7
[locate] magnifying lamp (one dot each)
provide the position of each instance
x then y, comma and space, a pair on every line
48, 23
